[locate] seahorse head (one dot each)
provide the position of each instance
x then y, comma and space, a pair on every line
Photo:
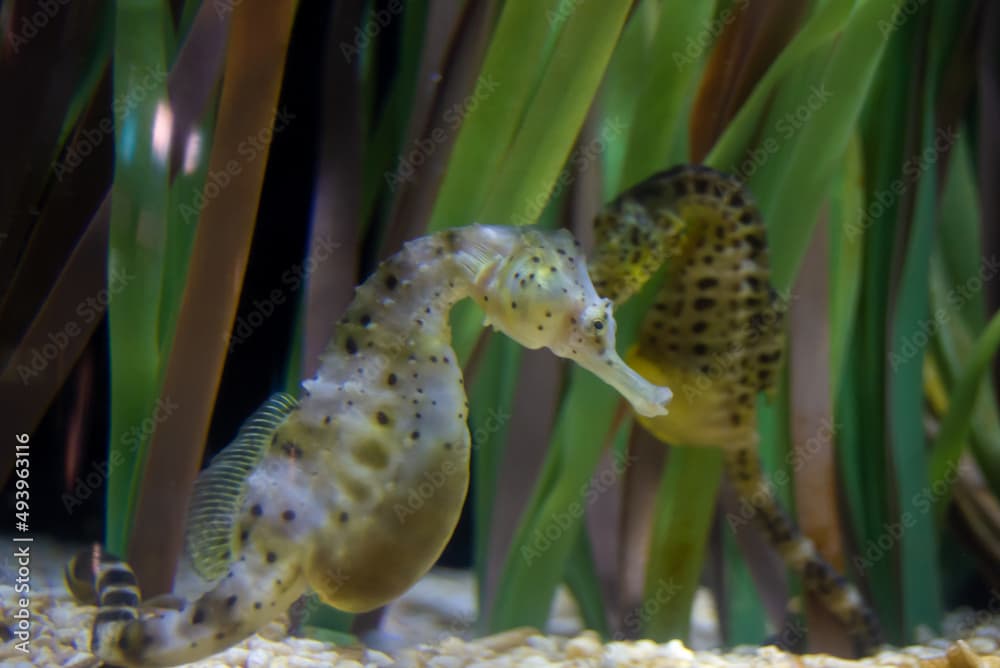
540, 295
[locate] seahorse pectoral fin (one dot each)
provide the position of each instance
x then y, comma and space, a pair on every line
220, 489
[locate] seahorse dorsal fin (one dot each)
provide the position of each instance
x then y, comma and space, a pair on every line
220, 489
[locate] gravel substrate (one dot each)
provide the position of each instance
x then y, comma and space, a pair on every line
440, 608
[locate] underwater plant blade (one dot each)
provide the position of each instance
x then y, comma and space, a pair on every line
536, 562
792, 188
744, 614
137, 248
187, 187
63, 46
657, 127
535, 565
508, 77
817, 32
685, 509
957, 423
846, 243
251, 84
918, 548
493, 389
335, 232
458, 34
583, 583
533, 165
750, 37
813, 457
627, 73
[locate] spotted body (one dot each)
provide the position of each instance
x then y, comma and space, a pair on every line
715, 336
354, 489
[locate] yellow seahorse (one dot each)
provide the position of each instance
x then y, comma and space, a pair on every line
715, 336
318, 492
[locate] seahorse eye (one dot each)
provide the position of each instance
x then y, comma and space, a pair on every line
598, 324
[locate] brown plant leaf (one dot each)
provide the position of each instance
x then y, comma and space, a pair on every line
752, 35
811, 409
83, 273
455, 45
989, 150
337, 211
252, 78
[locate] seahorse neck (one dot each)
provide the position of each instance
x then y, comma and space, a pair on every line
403, 307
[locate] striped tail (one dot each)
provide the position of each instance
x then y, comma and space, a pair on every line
835, 592
169, 630
93, 576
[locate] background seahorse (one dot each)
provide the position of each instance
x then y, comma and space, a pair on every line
354, 489
715, 336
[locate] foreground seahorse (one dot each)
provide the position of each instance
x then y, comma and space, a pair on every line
715, 336
354, 489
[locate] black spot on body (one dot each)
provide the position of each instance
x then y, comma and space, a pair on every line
198, 616
351, 346
288, 515
391, 281
706, 283
382, 418
703, 303
271, 557
256, 510
231, 601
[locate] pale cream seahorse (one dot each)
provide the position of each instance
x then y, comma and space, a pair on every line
715, 336
317, 492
